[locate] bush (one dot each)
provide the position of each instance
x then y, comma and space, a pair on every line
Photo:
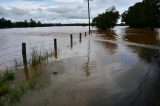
107, 19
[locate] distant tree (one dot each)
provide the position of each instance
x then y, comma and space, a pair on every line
26, 23
39, 23
5, 23
107, 19
33, 23
143, 14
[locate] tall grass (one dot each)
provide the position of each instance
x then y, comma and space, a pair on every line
11, 93
5, 80
37, 56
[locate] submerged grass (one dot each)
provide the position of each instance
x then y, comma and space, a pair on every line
12, 92
38, 57
5, 79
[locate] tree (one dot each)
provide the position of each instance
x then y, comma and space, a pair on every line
5, 23
39, 23
33, 23
142, 14
107, 19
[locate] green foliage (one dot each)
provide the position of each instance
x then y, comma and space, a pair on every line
4, 88
107, 19
38, 57
4, 82
34, 57
143, 14
8, 76
9, 24
11, 93
5, 23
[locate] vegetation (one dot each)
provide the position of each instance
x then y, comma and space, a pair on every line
10, 92
4, 79
107, 19
143, 14
9, 24
38, 57
32, 23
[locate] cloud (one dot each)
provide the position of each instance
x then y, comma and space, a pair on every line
67, 11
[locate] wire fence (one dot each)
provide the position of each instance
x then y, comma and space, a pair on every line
12, 56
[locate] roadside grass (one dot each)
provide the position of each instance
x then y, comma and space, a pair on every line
5, 80
38, 57
12, 92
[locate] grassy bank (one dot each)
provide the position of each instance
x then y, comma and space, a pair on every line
11, 90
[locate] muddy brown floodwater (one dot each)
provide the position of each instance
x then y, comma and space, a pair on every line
119, 67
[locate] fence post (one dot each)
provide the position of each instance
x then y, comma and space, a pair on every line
24, 53
26, 71
55, 47
80, 37
85, 34
71, 37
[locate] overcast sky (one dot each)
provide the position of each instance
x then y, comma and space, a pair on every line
58, 11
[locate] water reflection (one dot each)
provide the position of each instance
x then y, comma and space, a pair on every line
88, 59
26, 72
122, 74
111, 48
143, 53
143, 36
109, 35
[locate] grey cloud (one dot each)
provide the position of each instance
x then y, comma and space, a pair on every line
33, 0
2, 11
63, 10
69, 11
60, 9
18, 12
13, 11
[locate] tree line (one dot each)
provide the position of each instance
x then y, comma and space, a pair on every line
141, 15
9, 24
32, 23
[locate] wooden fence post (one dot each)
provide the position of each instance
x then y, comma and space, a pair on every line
80, 37
55, 47
24, 53
85, 34
71, 37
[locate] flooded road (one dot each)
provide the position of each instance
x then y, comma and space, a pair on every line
41, 37
111, 68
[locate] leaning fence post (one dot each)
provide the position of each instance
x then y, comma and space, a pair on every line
71, 37
55, 47
24, 53
80, 37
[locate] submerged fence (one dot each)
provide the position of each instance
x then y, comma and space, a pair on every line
17, 55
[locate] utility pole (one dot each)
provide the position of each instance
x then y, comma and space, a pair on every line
89, 17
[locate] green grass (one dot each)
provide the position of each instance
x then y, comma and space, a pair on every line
11, 93
8, 76
5, 79
38, 57
35, 57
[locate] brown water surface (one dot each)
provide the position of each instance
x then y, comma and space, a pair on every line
107, 68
